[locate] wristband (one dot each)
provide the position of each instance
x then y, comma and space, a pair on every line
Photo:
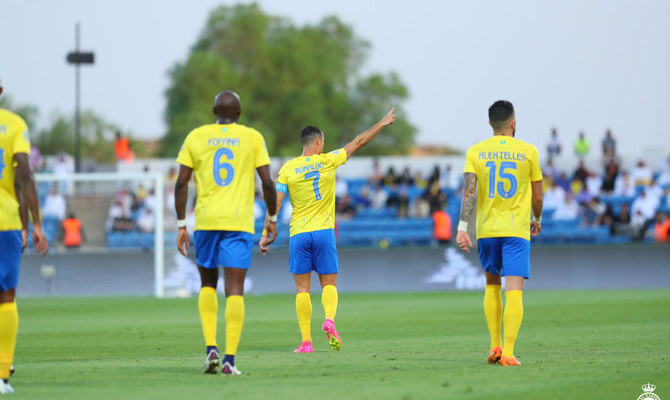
272, 218
537, 219
265, 232
181, 223
463, 226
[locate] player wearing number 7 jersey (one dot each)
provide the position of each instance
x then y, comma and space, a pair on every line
510, 186
223, 157
309, 180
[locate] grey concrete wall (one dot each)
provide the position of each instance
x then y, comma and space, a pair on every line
126, 272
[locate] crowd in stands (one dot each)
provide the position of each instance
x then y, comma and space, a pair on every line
626, 204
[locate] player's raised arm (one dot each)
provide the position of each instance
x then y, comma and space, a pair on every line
467, 205
24, 177
180, 199
365, 137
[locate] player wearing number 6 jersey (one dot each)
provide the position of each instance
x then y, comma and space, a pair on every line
510, 186
223, 157
309, 180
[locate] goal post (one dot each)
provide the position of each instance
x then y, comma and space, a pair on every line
91, 197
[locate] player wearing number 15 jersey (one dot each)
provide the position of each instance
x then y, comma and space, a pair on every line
223, 157
510, 186
309, 180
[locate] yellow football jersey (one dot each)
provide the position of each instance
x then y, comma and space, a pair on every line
224, 159
13, 140
310, 184
504, 166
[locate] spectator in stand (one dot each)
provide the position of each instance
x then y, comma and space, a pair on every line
442, 230
569, 210
550, 170
119, 219
624, 186
581, 172
554, 145
434, 176
609, 146
377, 176
146, 221
638, 223
403, 203
655, 190
576, 186
341, 188
594, 182
150, 201
72, 232
611, 173
449, 179
379, 198
54, 205
582, 146
435, 196
664, 178
122, 148
344, 209
419, 182
584, 196
563, 181
363, 200
646, 204
594, 212
406, 177
554, 196
394, 196
642, 174
419, 208
61, 168
390, 178
662, 227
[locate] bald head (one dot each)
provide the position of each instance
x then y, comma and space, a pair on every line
227, 107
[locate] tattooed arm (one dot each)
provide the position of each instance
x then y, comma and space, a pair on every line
467, 205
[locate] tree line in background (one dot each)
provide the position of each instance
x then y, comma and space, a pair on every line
288, 77
97, 134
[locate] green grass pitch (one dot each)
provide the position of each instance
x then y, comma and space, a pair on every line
573, 344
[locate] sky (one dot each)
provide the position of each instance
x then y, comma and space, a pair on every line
571, 64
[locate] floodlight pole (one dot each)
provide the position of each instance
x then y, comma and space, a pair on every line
77, 96
77, 58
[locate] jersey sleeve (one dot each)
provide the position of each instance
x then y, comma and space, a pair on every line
184, 158
337, 157
262, 156
282, 181
535, 170
470, 161
21, 139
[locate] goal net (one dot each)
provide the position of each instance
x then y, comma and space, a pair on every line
127, 242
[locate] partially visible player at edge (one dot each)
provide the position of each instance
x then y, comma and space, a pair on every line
510, 185
223, 157
17, 194
310, 182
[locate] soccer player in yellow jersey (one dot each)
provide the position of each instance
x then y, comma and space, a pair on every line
17, 187
510, 186
309, 180
223, 157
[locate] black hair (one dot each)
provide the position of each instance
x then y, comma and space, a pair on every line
308, 134
500, 112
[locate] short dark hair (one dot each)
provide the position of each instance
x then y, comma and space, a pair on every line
308, 134
500, 112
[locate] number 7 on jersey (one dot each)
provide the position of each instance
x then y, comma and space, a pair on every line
316, 175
